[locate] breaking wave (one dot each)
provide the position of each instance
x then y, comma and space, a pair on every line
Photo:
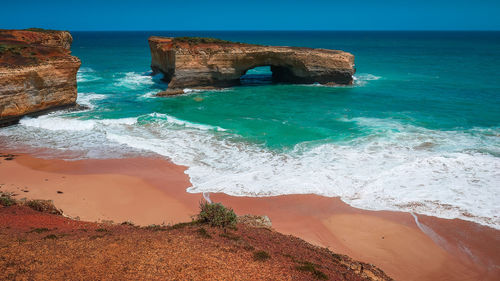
362, 78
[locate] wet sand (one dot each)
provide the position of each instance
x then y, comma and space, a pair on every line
153, 191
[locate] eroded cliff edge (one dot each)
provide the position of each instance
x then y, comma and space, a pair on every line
188, 62
37, 72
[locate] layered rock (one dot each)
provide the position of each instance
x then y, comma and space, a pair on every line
37, 72
200, 62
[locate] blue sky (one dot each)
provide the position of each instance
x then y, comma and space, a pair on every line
251, 15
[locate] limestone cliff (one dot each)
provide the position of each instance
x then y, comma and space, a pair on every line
37, 72
201, 62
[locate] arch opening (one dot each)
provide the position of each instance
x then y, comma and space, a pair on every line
260, 75
263, 74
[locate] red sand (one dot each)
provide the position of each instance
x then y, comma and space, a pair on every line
152, 191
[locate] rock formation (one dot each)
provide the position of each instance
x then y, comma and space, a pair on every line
37, 72
190, 62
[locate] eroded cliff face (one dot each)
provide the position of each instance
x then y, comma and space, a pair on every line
37, 72
201, 62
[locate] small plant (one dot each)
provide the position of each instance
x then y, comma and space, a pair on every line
155, 227
311, 267
128, 223
182, 224
101, 230
6, 200
261, 256
215, 214
44, 206
50, 236
204, 233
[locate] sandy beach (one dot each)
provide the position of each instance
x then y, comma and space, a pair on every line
153, 191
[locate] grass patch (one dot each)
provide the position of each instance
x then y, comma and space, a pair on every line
156, 227
201, 40
44, 206
128, 223
7, 201
337, 257
183, 224
50, 236
101, 230
203, 233
39, 29
311, 267
39, 230
261, 256
215, 214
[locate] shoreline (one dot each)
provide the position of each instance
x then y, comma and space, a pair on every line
153, 191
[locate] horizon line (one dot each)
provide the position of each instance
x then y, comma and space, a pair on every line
296, 30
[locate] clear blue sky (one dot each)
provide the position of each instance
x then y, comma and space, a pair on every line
251, 15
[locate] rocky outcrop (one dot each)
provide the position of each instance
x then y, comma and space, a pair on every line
37, 72
188, 62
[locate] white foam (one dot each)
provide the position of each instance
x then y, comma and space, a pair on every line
87, 98
134, 80
148, 95
86, 74
55, 123
378, 174
188, 91
184, 123
362, 78
395, 167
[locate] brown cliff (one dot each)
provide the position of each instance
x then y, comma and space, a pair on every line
201, 62
37, 72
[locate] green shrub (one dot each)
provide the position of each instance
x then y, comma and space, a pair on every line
199, 40
156, 227
215, 214
261, 256
311, 267
6, 200
182, 225
44, 206
204, 233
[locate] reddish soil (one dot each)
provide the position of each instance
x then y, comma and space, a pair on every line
29, 47
39, 246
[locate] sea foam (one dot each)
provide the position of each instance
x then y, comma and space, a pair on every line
395, 167
87, 74
362, 78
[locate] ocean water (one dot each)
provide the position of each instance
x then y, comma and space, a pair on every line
419, 131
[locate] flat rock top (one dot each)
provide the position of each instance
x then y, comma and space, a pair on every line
33, 46
214, 43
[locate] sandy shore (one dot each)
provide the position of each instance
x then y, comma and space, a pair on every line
152, 191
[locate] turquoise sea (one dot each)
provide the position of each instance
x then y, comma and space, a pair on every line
419, 130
